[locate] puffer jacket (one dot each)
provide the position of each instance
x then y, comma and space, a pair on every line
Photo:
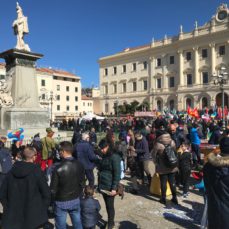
157, 154
216, 180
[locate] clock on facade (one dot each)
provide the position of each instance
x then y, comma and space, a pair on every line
222, 15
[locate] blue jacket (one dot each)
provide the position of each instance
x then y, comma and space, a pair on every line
85, 154
89, 212
194, 136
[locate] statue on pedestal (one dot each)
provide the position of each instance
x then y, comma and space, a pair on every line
20, 26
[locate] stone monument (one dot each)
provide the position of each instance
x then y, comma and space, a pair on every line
18, 93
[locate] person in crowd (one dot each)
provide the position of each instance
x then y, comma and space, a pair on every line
165, 172
132, 161
195, 141
25, 195
84, 153
48, 146
215, 134
16, 149
90, 208
177, 136
144, 158
3, 139
77, 136
6, 162
66, 188
93, 136
185, 165
108, 179
216, 180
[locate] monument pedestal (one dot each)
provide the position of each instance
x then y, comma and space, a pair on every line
21, 79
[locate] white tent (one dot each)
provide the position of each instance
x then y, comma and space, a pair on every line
90, 116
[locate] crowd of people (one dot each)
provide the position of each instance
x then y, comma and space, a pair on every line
45, 174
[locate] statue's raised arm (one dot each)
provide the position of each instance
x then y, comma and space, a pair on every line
20, 26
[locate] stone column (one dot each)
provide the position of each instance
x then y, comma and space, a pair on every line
196, 63
181, 68
213, 58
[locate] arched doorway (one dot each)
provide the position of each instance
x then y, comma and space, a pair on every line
204, 102
218, 99
189, 103
171, 105
159, 105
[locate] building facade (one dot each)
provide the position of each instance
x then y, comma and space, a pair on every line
170, 73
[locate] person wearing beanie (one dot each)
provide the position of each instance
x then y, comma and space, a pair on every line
216, 180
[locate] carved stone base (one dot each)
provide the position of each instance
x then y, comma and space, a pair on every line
33, 120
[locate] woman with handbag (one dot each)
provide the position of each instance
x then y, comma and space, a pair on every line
48, 146
108, 179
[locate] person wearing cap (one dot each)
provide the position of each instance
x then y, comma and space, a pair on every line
48, 145
216, 180
108, 178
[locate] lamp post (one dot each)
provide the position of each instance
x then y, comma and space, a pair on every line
221, 79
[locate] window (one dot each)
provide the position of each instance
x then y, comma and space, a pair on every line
124, 68
73, 80
171, 60
105, 71
57, 87
124, 87
58, 97
134, 86
76, 89
188, 56
67, 98
106, 89
43, 96
204, 53
2, 77
65, 79
106, 107
67, 88
145, 85
115, 88
43, 83
76, 98
159, 83
83, 103
171, 82
88, 104
145, 65
115, 70
204, 102
222, 50
76, 108
189, 79
55, 77
134, 67
67, 108
158, 62
58, 107
205, 77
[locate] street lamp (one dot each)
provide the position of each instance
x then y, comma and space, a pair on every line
221, 79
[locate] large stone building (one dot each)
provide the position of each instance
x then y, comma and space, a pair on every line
174, 72
59, 92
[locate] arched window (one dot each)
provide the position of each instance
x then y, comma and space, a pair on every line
188, 103
171, 105
204, 102
159, 105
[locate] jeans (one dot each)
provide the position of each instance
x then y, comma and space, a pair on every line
170, 177
61, 217
109, 202
90, 176
196, 151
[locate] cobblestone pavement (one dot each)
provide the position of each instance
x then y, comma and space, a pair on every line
144, 211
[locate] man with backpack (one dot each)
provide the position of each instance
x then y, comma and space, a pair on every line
166, 163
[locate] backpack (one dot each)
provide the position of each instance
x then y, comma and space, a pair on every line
170, 157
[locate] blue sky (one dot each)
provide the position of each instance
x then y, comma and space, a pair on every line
74, 34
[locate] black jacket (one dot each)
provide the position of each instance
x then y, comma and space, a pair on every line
67, 180
216, 180
90, 208
25, 197
185, 161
